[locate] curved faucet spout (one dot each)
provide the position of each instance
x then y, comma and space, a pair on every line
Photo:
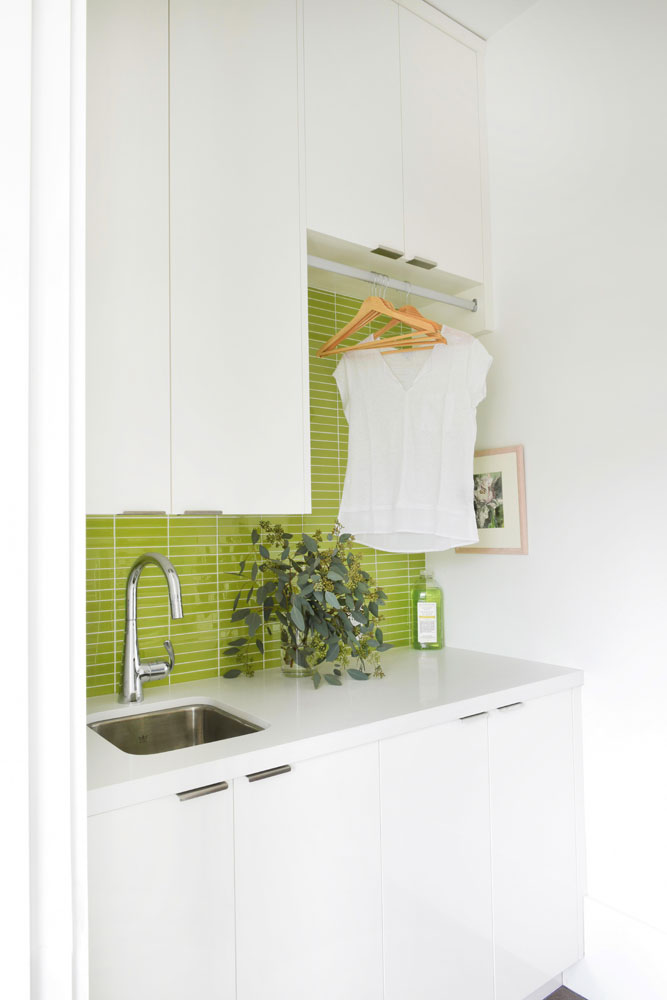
135, 673
171, 576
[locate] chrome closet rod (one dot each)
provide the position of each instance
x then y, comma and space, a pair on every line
402, 286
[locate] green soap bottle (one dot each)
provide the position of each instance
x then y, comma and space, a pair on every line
428, 624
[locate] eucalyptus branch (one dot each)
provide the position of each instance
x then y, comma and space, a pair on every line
326, 605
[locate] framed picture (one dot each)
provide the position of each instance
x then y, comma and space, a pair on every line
499, 496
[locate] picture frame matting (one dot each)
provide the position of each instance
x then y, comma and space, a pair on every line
500, 502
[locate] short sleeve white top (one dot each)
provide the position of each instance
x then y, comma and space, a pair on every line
412, 427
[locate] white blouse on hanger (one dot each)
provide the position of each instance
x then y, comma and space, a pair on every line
409, 479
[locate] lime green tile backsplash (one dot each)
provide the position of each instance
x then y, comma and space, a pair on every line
206, 550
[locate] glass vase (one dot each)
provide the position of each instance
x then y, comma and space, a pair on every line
294, 669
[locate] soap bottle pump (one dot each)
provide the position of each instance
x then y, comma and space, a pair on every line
428, 626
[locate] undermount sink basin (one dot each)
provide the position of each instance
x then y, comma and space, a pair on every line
172, 729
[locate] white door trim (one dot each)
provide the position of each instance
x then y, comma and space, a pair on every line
14, 312
42, 85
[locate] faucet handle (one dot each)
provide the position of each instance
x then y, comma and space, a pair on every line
150, 670
170, 653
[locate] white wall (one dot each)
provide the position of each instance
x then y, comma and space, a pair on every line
578, 144
14, 367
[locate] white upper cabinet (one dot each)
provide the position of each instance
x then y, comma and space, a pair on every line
436, 867
308, 881
218, 131
441, 148
127, 257
239, 375
536, 888
353, 121
197, 361
393, 133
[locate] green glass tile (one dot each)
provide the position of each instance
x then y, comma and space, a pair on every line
201, 659
95, 669
197, 674
106, 686
99, 530
192, 642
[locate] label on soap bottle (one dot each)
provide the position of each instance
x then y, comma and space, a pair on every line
427, 621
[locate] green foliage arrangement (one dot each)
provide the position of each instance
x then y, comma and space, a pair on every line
316, 593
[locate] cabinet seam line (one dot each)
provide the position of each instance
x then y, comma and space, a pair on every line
302, 152
169, 255
483, 159
401, 105
577, 797
217, 587
169, 675
115, 613
382, 927
491, 867
236, 919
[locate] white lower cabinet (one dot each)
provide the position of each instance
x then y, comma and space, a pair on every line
533, 821
161, 900
308, 881
441, 863
479, 854
436, 864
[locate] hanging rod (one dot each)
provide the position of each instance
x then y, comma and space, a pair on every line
401, 286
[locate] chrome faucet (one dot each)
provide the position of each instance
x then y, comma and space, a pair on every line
136, 672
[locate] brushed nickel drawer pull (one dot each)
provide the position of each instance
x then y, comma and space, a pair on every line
196, 793
143, 513
201, 513
473, 715
423, 262
270, 773
512, 704
389, 252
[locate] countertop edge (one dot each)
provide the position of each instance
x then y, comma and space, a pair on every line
131, 792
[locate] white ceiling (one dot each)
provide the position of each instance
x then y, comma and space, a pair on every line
484, 17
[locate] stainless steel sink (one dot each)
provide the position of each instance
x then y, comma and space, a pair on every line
172, 729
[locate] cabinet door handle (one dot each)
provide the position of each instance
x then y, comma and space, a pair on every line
270, 773
143, 513
196, 793
474, 715
201, 513
389, 252
423, 262
512, 704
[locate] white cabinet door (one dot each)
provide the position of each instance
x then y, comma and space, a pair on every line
534, 850
441, 148
308, 882
238, 290
436, 863
161, 900
353, 121
127, 257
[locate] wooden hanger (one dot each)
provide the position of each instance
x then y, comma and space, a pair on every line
370, 309
410, 312
426, 336
414, 344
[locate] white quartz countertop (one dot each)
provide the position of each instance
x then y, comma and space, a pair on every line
420, 689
